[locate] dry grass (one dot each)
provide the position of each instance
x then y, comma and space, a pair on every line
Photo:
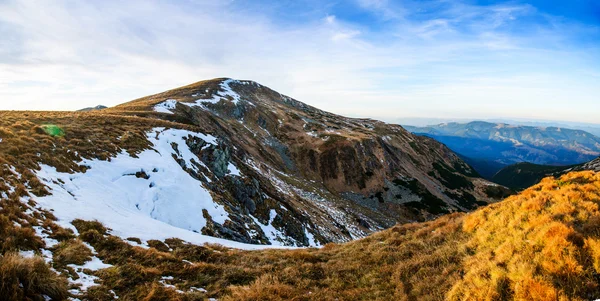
539, 245
26, 141
71, 252
29, 279
386, 266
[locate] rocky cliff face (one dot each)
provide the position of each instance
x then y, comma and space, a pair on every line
311, 176
593, 165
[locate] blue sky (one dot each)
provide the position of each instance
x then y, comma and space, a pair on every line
364, 58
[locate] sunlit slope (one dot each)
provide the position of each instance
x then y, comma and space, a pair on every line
543, 244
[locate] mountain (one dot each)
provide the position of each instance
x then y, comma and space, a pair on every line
523, 175
236, 160
500, 145
96, 108
591, 128
222, 161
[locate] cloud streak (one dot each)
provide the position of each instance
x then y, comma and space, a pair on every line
442, 58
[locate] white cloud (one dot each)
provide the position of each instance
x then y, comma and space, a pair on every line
330, 19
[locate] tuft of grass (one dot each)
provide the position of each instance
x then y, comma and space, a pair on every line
71, 252
29, 279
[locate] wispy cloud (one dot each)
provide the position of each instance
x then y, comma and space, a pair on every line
421, 58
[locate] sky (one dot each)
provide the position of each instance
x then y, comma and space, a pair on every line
533, 60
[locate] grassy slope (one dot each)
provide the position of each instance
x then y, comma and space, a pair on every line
543, 244
523, 175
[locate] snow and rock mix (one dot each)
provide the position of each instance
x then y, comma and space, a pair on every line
149, 196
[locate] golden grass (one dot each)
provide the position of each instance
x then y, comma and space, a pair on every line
539, 245
29, 279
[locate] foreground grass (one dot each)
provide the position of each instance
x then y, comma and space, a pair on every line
386, 266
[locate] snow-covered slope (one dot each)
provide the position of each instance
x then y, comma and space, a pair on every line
148, 197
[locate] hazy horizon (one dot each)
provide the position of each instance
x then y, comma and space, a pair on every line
478, 60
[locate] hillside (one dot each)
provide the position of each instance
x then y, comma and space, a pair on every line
499, 145
593, 165
522, 175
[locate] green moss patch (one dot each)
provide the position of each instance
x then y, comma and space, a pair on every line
53, 130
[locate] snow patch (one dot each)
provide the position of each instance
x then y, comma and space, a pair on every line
313, 134
271, 232
223, 93
233, 170
166, 107
311, 238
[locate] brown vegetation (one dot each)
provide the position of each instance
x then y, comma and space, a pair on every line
29, 279
539, 245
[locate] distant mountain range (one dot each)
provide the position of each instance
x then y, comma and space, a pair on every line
591, 128
489, 147
96, 108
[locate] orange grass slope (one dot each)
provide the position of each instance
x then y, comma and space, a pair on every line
543, 244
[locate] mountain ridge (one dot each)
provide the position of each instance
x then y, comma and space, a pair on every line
523, 175
96, 108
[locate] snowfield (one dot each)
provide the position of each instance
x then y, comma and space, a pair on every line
168, 204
